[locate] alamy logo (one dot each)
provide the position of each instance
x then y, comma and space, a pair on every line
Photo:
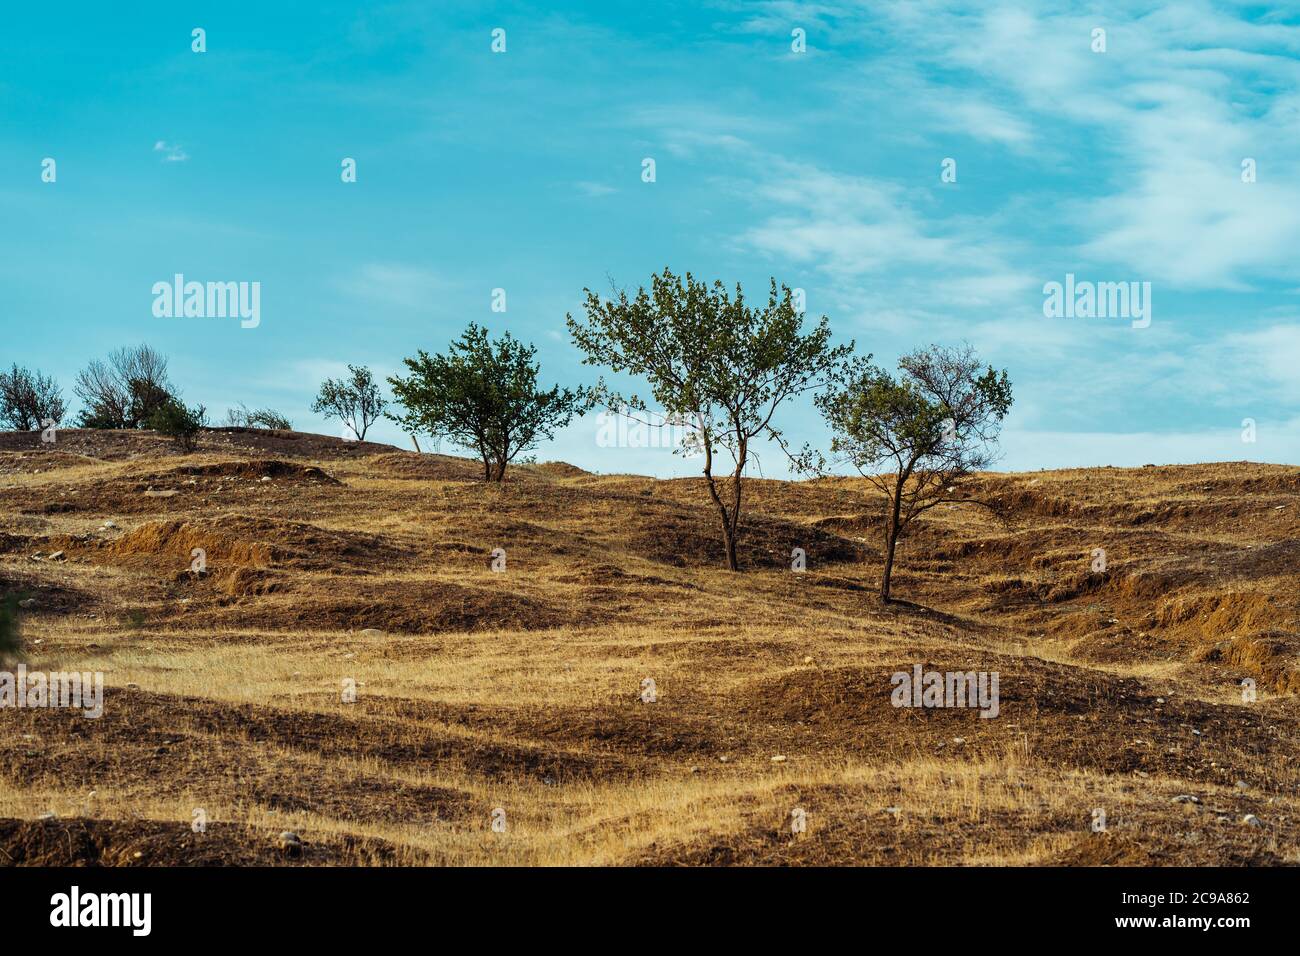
103, 909
923, 688
208, 300
23, 689
1098, 300
625, 429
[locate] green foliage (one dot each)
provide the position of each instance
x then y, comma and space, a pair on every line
148, 399
940, 415
714, 364
916, 436
179, 422
483, 395
355, 400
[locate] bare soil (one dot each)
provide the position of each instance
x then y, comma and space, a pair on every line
348, 665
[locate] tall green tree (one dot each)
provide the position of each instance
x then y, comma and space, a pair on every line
482, 395
715, 364
914, 437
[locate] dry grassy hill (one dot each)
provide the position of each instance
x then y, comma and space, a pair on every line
521, 690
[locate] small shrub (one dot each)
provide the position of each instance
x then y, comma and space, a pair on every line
245, 417
179, 422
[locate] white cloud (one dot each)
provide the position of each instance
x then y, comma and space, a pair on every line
685, 130
984, 120
594, 190
171, 152
395, 284
1261, 365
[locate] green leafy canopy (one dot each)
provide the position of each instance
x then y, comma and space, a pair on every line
482, 394
713, 362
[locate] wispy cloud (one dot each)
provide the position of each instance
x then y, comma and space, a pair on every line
1163, 119
171, 153
876, 245
687, 130
394, 284
593, 190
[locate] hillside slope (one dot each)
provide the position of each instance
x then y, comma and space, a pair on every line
520, 691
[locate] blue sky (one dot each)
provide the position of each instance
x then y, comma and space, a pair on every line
522, 171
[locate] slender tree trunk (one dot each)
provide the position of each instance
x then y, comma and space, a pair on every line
734, 532
890, 542
416, 443
729, 535
891, 539
728, 530
498, 456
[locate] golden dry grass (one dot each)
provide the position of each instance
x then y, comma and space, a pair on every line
522, 690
